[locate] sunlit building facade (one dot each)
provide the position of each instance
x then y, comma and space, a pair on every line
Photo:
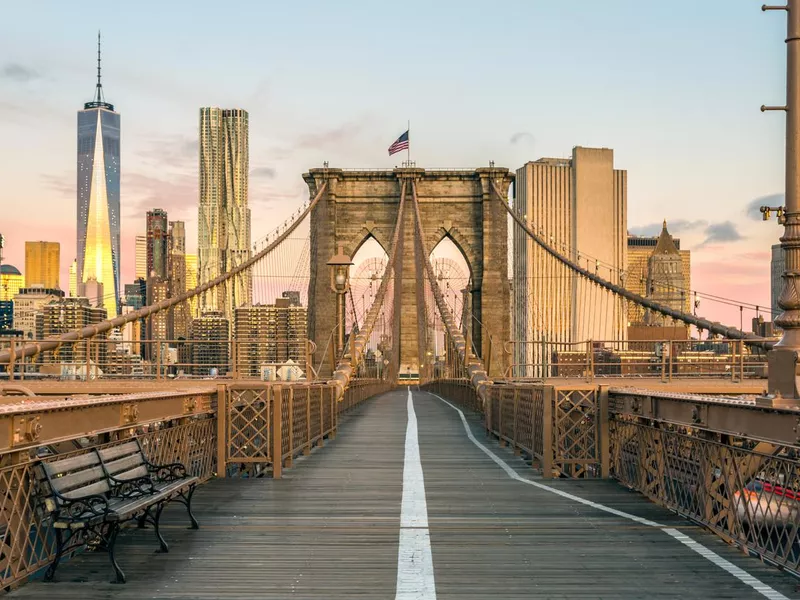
141, 257
579, 205
99, 196
224, 215
11, 282
42, 264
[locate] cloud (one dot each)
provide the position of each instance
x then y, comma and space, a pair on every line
753, 207
62, 184
330, 137
676, 226
177, 151
266, 172
142, 192
522, 136
17, 72
720, 233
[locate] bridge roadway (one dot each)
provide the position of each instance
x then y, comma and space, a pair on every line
472, 528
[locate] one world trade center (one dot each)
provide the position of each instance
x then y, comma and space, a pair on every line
98, 196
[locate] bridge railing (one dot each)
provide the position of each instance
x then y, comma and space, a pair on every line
734, 360
727, 464
101, 358
558, 427
230, 429
731, 464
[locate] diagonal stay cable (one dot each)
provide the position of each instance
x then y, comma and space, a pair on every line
345, 367
103, 326
716, 328
474, 365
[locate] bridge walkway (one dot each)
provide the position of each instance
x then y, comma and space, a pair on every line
331, 528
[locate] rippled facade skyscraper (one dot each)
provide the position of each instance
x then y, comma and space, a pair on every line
223, 234
99, 195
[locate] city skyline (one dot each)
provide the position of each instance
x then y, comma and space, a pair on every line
698, 166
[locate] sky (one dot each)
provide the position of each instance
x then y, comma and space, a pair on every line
674, 88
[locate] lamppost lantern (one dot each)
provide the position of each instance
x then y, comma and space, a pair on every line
340, 271
340, 275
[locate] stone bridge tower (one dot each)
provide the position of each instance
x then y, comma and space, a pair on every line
459, 204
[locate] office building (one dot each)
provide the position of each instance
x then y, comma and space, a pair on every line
191, 283
292, 296
29, 302
141, 257
269, 334
73, 279
223, 215
65, 315
157, 244
177, 236
93, 291
42, 264
11, 282
157, 323
210, 348
7, 319
99, 194
579, 205
640, 251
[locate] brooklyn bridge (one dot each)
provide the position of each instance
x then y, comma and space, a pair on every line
410, 444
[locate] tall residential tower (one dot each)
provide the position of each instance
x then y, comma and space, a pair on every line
224, 216
98, 195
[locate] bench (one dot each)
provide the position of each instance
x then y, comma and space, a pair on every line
91, 495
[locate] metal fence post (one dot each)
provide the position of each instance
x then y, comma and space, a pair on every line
11, 359
277, 433
547, 432
603, 426
307, 449
290, 433
222, 432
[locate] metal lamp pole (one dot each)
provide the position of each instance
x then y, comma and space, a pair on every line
783, 359
340, 275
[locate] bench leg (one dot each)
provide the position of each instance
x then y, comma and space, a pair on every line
156, 520
51, 570
112, 541
186, 500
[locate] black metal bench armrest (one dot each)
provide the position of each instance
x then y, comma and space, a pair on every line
76, 509
131, 488
169, 472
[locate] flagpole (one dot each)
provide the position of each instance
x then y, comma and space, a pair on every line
408, 149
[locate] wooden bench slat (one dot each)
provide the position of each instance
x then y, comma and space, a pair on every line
123, 464
69, 483
112, 452
101, 487
140, 471
82, 461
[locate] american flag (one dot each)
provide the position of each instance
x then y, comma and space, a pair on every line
400, 143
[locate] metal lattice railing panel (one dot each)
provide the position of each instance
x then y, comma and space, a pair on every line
249, 420
576, 448
748, 492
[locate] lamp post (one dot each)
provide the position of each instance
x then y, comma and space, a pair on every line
783, 359
340, 283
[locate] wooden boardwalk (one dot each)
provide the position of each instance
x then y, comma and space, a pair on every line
331, 528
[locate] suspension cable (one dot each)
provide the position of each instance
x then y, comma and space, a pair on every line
716, 328
109, 324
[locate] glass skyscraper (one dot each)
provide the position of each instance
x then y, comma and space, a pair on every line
98, 195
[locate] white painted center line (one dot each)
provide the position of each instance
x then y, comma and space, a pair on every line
740, 574
414, 559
